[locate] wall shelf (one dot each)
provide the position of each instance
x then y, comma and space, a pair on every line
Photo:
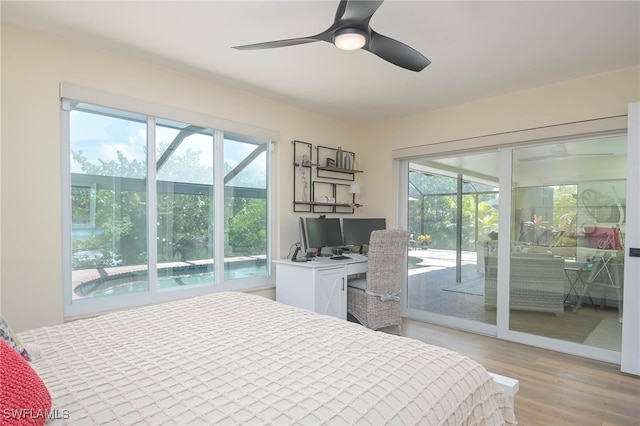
338, 170
327, 204
307, 192
335, 163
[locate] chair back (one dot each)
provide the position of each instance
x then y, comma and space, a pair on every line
387, 260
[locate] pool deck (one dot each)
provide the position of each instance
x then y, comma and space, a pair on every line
84, 276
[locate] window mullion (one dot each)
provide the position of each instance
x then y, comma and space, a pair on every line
219, 203
271, 213
152, 207
65, 162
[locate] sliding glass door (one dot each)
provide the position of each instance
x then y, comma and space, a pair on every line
567, 240
453, 216
526, 243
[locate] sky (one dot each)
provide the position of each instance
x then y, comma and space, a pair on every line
102, 137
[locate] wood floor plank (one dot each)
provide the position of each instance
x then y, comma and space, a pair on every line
555, 388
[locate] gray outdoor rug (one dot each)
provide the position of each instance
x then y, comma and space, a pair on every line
471, 287
607, 335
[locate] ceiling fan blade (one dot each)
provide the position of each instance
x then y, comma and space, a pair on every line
353, 16
397, 53
356, 11
278, 43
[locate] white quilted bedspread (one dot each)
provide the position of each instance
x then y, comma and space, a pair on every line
233, 358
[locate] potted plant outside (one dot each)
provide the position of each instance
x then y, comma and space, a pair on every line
424, 240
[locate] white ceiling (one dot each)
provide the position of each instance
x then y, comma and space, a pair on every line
478, 49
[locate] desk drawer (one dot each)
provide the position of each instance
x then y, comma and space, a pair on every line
356, 268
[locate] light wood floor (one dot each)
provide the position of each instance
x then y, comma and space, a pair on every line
555, 388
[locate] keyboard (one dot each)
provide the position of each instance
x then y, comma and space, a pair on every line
339, 257
357, 256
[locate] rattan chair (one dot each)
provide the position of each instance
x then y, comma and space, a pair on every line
374, 301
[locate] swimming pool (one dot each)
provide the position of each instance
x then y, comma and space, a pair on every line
135, 282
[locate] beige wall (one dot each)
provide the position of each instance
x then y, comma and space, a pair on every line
598, 96
33, 66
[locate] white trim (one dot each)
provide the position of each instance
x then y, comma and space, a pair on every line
403, 194
65, 194
402, 215
594, 127
509, 386
630, 361
504, 242
99, 305
218, 210
463, 324
563, 346
271, 208
85, 94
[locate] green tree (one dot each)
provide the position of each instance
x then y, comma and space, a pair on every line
433, 210
185, 221
247, 233
120, 216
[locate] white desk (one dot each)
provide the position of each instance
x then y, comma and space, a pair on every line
319, 285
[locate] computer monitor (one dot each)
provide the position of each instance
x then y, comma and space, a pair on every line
323, 232
303, 236
356, 231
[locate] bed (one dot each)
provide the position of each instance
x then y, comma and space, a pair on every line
236, 358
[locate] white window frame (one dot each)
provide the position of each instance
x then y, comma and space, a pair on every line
83, 307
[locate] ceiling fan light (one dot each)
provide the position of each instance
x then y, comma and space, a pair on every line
349, 39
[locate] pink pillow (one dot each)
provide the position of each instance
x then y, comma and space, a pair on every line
24, 398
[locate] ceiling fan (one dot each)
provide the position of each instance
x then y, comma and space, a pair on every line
351, 31
560, 151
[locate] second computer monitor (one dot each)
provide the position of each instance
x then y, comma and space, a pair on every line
323, 233
356, 231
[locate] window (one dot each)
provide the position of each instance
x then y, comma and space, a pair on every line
83, 198
160, 209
